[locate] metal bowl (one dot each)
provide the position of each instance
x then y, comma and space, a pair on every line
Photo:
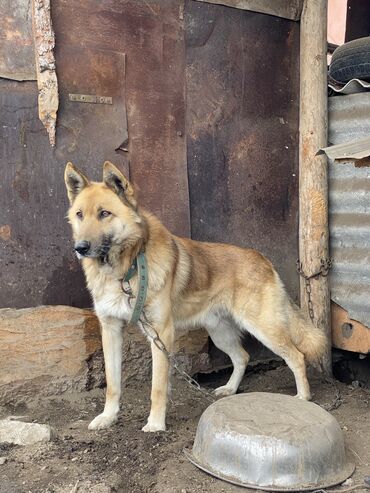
271, 442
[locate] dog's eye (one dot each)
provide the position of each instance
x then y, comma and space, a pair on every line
105, 213
79, 214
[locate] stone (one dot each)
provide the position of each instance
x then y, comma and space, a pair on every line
2, 460
48, 349
20, 433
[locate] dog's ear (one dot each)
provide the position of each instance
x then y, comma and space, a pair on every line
120, 185
75, 181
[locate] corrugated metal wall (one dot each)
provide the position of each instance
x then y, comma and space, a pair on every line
349, 201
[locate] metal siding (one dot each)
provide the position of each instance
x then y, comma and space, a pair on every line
349, 209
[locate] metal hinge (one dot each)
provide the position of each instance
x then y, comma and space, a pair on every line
89, 98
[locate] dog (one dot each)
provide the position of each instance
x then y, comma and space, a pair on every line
226, 289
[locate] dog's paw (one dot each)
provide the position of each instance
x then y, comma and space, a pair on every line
102, 421
224, 391
152, 427
304, 397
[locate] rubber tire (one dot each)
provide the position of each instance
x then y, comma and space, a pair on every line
351, 61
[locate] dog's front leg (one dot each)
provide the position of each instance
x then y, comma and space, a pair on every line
112, 348
160, 381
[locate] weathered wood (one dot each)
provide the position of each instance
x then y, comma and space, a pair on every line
288, 9
348, 334
50, 349
47, 82
313, 179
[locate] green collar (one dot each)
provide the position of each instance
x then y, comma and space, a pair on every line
140, 266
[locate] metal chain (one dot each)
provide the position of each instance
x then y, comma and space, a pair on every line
153, 336
337, 399
325, 266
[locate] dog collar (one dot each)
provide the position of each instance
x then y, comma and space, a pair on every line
140, 266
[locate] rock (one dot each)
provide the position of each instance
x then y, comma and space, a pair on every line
348, 482
21, 433
2, 460
48, 350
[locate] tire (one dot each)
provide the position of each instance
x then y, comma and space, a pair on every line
351, 61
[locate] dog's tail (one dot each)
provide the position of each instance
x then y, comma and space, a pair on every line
308, 339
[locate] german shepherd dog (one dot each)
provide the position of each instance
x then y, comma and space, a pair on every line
224, 288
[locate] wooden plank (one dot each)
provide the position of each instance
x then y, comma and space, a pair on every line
348, 334
313, 179
47, 82
288, 9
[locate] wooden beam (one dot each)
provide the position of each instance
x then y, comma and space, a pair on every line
288, 9
313, 179
47, 82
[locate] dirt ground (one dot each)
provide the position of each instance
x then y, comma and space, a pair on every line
124, 459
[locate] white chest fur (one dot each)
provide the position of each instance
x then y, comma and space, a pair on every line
110, 300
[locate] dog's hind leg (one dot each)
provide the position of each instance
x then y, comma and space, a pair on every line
276, 337
226, 336
112, 348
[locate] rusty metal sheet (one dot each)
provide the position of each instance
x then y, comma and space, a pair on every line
38, 264
242, 131
348, 334
152, 36
17, 54
288, 9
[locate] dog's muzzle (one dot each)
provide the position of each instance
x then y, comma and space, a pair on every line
82, 248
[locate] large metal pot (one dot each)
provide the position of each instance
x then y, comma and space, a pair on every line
271, 442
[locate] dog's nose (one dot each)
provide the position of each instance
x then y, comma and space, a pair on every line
82, 247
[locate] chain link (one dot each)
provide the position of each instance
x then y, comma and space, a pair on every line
325, 266
153, 336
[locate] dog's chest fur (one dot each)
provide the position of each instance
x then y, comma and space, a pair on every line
109, 297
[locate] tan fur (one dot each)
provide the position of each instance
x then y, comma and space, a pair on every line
226, 289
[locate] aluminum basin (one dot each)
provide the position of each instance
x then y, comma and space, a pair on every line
271, 442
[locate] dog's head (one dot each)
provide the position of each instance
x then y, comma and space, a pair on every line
103, 215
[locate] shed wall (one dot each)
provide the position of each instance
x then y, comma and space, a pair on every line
207, 94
